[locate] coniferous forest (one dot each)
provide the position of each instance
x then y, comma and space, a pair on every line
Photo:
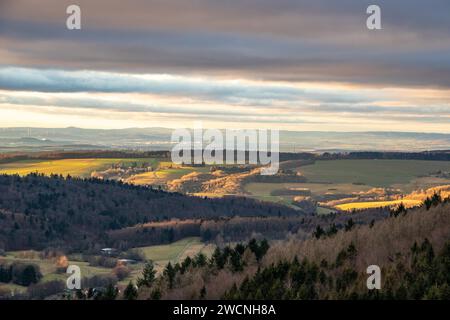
415, 265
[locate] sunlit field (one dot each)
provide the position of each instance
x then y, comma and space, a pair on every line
162, 176
176, 251
74, 167
377, 204
351, 178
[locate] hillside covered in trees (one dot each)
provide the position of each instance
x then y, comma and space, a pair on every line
412, 248
38, 212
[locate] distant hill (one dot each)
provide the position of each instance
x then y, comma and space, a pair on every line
159, 139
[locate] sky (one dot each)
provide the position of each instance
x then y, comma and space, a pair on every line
285, 64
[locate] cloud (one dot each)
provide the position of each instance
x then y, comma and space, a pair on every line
287, 40
40, 80
213, 98
116, 105
284, 62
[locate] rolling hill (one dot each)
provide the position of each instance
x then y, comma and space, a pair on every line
38, 211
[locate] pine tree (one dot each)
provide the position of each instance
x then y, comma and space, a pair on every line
332, 230
148, 275
110, 293
156, 294
349, 225
203, 293
319, 232
427, 202
263, 248
200, 260
130, 292
217, 259
236, 262
170, 273
185, 264
436, 199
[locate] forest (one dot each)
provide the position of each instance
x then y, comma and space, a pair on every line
37, 212
262, 250
412, 248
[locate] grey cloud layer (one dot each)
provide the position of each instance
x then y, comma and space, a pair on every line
22, 79
263, 39
244, 101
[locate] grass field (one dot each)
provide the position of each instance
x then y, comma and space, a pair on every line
74, 167
261, 191
264, 189
376, 173
160, 255
177, 251
324, 211
347, 176
351, 177
48, 268
11, 287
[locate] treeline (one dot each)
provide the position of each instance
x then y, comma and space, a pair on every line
308, 157
424, 276
363, 155
303, 157
369, 155
38, 212
243, 228
20, 273
236, 229
142, 235
106, 154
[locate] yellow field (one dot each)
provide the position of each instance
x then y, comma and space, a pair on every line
73, 167
148, 178
162, 176
377, 204
208, 194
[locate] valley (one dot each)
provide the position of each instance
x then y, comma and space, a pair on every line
146, 208
342, 185
52, 264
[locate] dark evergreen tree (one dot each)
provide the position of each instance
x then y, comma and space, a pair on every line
170, 273
130, 292
203, 293
319, 232
148, 275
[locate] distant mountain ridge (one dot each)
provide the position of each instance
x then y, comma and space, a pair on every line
17, 139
